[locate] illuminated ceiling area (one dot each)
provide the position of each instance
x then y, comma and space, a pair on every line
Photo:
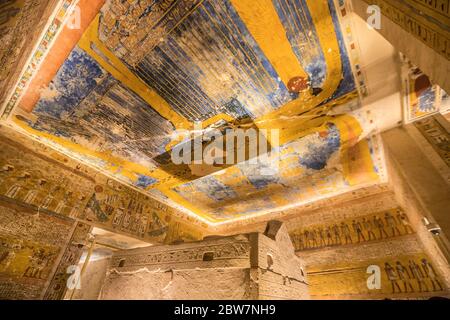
115, 90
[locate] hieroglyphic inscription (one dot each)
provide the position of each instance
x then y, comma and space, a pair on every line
436, 135
439, 6
126, 26
234, 250
71, 257
419, 26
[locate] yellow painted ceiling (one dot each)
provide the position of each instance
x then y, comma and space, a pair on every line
127, 83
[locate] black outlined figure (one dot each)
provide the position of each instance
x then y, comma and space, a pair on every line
306, 237
431, 274
392, 276
337, 235
322, 242
314, 238
404, 221
391, 223
345, 231
404, 277
329, 236
358, 230
368, 226
378, 223
418, 275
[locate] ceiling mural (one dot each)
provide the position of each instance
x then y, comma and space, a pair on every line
115, 92
327, 162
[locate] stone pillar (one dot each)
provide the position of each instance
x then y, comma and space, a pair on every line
417, 28
422, 168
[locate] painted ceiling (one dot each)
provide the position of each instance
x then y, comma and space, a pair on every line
114, 91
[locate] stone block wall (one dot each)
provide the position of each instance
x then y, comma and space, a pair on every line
250, 266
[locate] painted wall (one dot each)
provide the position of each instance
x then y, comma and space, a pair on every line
340, 243
30, 249
46, 180
21, 25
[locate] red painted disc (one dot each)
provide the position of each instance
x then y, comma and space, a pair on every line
298, 84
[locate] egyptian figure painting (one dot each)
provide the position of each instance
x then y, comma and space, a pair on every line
274, 65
